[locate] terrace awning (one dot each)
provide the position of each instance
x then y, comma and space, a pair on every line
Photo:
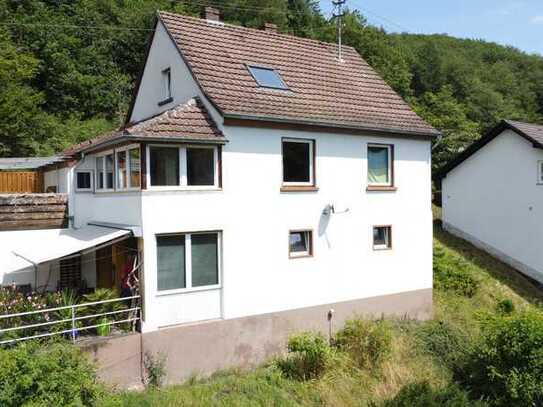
21, 249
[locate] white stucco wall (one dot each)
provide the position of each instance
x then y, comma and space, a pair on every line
59, 178
494, 200
255, 218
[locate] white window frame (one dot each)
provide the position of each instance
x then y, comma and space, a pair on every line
188, 264
97, 172
312, 154
129, 186
390, 164
183, 179
309, 240
166, 86
540, 172
91, 173
388, 239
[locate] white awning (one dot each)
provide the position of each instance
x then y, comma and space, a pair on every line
20, 249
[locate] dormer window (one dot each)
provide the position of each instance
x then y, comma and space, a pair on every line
166, 87
267, 78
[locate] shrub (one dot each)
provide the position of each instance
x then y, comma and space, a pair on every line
423, 395
506, 367
443, 340
505, 307
53, 375
369, 343
155, 368
308, 357
453, 275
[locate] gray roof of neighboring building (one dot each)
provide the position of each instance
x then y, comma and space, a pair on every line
28, 163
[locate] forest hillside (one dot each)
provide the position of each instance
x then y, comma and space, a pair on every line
68, 68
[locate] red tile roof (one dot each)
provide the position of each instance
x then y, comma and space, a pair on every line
322, 91
189, 121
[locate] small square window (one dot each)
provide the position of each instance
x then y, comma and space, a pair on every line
83, 181
267, 78
300, 243
380, 165
540, 172
298, 162
382, 237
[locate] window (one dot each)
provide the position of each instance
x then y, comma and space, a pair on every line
171, 262
190, 166
164, 166
166, 87
122, 167
128, 168
382, 237
200, 166
104, 172
83, 181
300, 243
380, 165
540, 172
298, 162
267, 78
188, 261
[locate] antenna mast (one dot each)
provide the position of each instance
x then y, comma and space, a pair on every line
338, 14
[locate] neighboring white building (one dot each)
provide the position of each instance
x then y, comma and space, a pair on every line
260, 174
492, 195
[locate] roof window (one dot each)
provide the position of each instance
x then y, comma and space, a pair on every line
267, 78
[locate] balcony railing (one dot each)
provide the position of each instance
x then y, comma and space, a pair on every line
33, 211
73, 325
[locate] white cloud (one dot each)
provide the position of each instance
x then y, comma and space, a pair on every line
537, 20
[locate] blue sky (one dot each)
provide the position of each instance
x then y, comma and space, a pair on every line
511, 22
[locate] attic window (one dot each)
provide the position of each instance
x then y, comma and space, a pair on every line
166, 87
267, 78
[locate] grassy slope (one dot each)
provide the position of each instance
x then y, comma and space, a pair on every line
352, 387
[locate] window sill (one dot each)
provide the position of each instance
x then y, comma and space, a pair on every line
299, 188
386, 188
188, 290
165, 101
381, 249
302, 256
183, 189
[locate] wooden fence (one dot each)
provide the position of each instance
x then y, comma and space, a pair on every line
20, 182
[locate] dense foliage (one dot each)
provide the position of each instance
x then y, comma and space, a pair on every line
506, 367
68, 67
55, 375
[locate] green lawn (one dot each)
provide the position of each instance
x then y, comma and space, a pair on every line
421, 351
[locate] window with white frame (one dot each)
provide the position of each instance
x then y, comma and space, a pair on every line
380, 165
382, 237
540, 172
83, 180
186, 261
298, 157
128, 168
184, 166
300, 243
104, 172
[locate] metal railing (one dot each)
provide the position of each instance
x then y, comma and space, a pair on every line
133, 312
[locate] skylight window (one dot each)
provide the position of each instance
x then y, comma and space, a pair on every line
267, 78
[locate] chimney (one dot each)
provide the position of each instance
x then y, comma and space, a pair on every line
270, 27
212, 14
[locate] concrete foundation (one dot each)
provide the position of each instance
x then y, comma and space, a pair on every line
203, 348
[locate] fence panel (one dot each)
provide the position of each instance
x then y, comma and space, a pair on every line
21, 182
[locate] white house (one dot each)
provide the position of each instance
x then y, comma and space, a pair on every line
259, 176
492, 195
